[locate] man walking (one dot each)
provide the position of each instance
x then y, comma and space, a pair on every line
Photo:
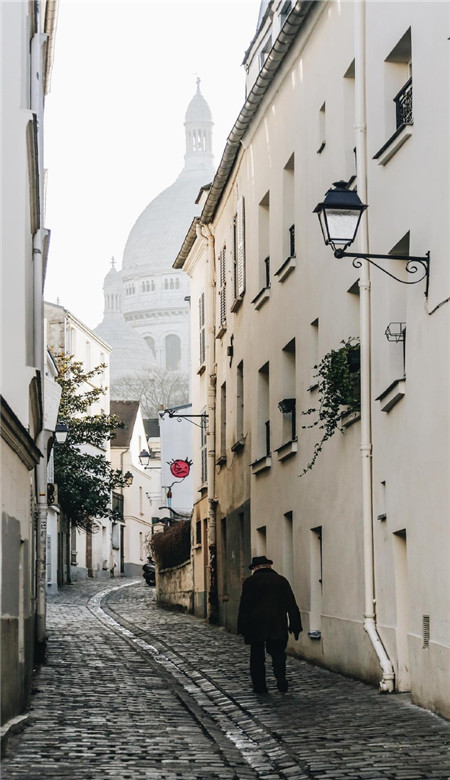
266, 601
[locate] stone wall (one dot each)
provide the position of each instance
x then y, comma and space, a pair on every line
175, 586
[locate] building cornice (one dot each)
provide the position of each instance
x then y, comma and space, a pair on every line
17, 437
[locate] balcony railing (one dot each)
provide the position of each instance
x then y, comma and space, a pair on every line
403, 105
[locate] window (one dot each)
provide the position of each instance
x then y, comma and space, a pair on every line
265, 51
223, 422
203, 451
198, 532
288, 547
398, 89
202, 329
289, 208
173, 353
285, 11
316, 583
240, 402
222, 288
264, 240
314, 351
288, 404
150, 341
322, 129
239, 249
263, 430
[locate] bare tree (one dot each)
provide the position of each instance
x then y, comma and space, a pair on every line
154, 388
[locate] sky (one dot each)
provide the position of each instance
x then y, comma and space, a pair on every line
123, 76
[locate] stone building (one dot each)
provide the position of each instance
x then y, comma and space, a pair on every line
363, 535
146, 315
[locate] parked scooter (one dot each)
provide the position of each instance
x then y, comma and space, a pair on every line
149, 572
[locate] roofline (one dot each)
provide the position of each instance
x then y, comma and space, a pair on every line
275, 58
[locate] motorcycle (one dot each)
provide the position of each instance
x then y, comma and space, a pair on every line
149, 573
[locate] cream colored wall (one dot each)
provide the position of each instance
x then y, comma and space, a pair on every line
411, 442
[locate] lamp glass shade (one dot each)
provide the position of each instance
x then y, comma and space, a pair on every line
340, 215
144, 458
61, 431
341, 226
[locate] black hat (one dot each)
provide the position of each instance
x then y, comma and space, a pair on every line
259, 560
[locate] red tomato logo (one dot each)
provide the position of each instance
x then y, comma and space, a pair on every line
180, 468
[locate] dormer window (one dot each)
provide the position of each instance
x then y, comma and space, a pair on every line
267, 45
285, 11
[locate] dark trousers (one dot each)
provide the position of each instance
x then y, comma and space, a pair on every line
276, 649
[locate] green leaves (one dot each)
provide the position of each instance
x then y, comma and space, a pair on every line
338, 376
84, 476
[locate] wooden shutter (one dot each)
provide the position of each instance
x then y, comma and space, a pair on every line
201, 322
222, 287
240, 246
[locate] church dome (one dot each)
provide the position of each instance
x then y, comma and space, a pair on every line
156, 237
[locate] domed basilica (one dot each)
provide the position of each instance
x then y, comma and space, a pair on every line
146, 314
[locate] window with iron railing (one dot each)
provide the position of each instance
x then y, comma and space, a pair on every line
403, 105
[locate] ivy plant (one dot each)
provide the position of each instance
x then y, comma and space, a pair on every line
338, 387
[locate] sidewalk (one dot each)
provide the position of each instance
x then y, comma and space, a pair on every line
131, 690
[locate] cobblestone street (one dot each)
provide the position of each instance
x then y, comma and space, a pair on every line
130, 690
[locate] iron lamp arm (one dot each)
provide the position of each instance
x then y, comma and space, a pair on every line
413, 264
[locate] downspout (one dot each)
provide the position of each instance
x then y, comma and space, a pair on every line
387, 681
37, 108
213, 602
41, 468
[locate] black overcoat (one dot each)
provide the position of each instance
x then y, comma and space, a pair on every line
266, 601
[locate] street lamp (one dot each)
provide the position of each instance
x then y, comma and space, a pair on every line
61, 431
340, 214
128, 478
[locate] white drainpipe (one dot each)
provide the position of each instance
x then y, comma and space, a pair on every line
211, 426
387, 681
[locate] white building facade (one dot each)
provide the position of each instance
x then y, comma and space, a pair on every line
28, 33
81, 554
363, 535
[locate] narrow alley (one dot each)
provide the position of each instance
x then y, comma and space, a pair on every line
131, 690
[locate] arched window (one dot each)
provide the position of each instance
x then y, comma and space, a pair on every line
171, 284
150, 341
166, 284
177, 284
173, 353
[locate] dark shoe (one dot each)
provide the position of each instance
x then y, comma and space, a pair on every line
260, 690
282, 685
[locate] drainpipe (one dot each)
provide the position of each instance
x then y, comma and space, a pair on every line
213, 603
42, 443
387, 681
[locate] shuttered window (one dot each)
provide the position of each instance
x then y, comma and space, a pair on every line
240, 247
204, 451
222, 288
201, 325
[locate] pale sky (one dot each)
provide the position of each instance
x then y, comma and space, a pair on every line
123, 76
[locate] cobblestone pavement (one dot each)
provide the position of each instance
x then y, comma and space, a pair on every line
130, 690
